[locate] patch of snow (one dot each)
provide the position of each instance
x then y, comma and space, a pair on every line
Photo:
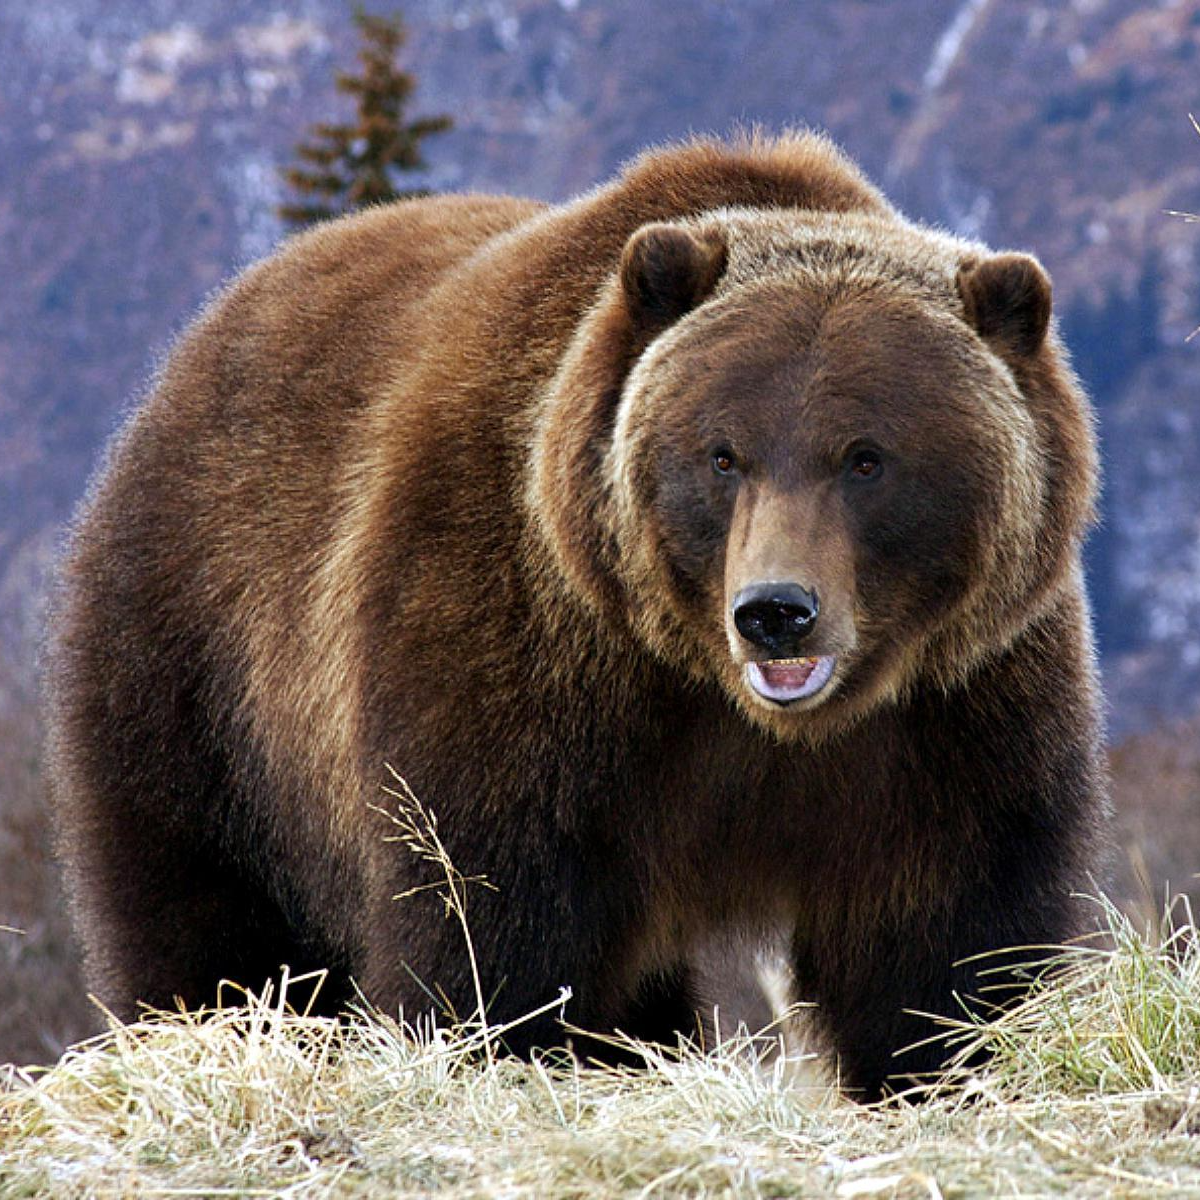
24, 587
152, 64
506, 25
253, 184
1160, 537
136, 86
128, 138
261, 82
170, 49
950, 44
971, 222
102, 35
966, 209
280, 39
554, 99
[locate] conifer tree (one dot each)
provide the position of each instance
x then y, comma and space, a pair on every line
349, 166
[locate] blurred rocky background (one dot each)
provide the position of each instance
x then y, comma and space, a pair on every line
140, 148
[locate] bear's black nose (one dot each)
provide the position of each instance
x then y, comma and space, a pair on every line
776, 616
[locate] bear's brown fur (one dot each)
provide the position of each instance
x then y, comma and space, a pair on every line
504, 496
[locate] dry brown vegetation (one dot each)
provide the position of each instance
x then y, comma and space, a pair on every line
1092, 1092
1156, 794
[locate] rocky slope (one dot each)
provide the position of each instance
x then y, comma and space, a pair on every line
139, 146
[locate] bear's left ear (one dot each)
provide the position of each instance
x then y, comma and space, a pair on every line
1007, 300
667, 271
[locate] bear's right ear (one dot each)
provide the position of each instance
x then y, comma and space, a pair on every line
667, 271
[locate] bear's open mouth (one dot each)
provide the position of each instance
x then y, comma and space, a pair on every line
782, 680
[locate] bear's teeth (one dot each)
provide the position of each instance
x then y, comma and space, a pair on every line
782, 680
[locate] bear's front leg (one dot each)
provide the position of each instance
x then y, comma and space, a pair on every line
880, 991
951, 865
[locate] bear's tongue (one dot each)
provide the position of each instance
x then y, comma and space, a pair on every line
788, 674
787, 679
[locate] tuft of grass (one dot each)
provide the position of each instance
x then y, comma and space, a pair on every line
417, 832
1123, 1017
1093, 1090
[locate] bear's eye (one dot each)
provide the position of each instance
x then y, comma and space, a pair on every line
864, 464
723, 461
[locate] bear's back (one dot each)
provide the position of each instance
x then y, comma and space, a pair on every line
185, 616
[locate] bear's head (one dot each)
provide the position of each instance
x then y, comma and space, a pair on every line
818, 458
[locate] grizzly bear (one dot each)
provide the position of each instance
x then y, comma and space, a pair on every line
704, 553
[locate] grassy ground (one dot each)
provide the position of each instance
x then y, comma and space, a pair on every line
1094, 1090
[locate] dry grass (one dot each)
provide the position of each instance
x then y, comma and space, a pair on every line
1094, 1090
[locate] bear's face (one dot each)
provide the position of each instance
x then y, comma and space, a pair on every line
822, 480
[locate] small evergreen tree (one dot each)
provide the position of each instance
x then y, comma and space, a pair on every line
353, 165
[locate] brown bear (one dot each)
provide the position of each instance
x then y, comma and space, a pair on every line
705, 554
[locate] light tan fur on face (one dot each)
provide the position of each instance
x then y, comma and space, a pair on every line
783, 537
